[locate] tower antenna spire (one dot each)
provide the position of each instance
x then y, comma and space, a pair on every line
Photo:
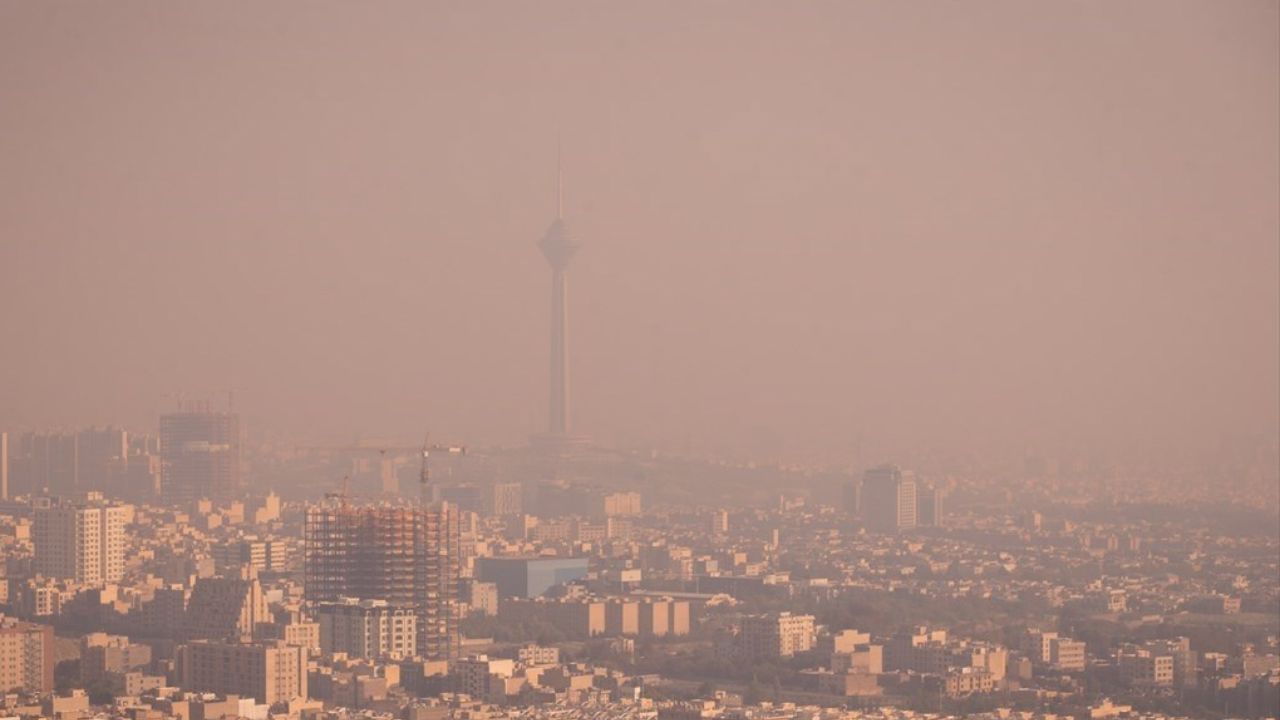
559, 181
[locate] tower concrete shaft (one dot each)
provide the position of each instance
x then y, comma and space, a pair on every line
559, 247
559, 405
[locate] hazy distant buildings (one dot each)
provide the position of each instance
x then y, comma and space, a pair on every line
621, 504
1048, 649
720, 522
929, 506
138, 478
98, 452
775, 636
406, 556
888, 499
507, 498
44, 463
80, 540
61, 463
201, 455
1066, 654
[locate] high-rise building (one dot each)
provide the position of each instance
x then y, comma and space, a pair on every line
80, 540
269, 672
201, 456
367, 629
26, 656
62, 463
929, 506
45, 463
888, 501
98, 451
508, 498
137, 478
406, 556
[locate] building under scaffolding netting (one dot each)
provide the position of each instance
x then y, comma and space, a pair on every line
405, 555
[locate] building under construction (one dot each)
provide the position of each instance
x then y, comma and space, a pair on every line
405, 555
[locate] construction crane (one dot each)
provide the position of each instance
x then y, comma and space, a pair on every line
342, 495
426, 449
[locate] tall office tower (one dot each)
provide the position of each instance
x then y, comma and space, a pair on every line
26, 656
929, 506
81, 541
44, 462
888, 499
851, 495
407, 556
137, 479
559, 247
97, 454
201, 456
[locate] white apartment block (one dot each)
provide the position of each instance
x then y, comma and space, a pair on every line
81, 541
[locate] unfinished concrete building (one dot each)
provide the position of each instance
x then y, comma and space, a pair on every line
405, 555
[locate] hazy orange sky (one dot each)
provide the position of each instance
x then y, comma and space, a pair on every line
805, 225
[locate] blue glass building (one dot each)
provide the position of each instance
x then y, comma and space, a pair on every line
529, 577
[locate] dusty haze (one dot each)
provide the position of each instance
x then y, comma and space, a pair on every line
807, 227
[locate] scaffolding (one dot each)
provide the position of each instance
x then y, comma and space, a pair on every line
407, 556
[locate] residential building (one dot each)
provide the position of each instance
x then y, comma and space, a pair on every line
269, 672
1066, 654
225, 609
778, 635
367, 628
82, 541
26, 656
406, 556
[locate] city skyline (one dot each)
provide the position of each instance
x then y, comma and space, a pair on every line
923, 362
804, 262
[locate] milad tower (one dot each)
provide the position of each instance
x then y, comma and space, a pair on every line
559, 246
